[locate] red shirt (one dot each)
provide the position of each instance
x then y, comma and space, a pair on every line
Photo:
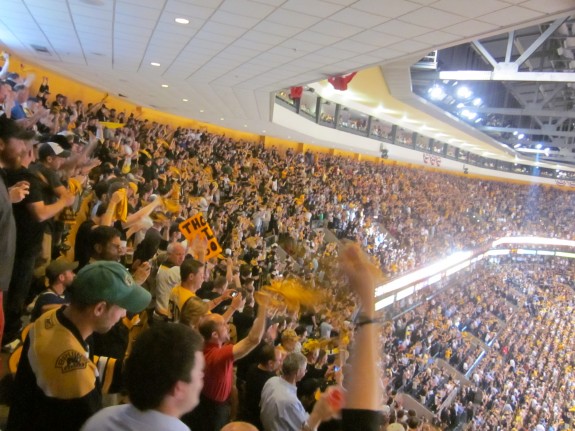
218, 374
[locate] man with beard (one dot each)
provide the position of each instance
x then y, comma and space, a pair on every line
12, 146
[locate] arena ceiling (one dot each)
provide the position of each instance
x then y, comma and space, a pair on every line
232, 55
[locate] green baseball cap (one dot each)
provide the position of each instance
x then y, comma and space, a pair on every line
59, 266
111, 282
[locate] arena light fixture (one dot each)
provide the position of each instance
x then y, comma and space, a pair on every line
182, 21
155, 64
436, 92
464, 92
466, 113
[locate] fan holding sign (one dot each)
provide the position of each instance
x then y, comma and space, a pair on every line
197, 225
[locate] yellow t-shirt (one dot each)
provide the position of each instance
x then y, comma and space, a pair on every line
178, 297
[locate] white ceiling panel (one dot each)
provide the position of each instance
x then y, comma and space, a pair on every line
138, 12
249, 44
168, 39
188, 10
295, 19
126, 33
437, 38
375, 59
336, 29
500, 18
86, 10
375, 38
317, 8
430, 17
549, 6
247, 8
462, 8
121, 19
270, 2
16, 16
354, 46
222, 39
401, 29
240, 53
470, 28
300, 46
388, 8
342, 2
223, 29
354, 16
388, 52
316, 38
228, 18
277, 29
263, 38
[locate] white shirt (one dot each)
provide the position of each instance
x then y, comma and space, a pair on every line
166, 280
126, 417
280, 408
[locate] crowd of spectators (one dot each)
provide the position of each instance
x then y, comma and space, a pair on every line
526, 377
517, 380
90, 184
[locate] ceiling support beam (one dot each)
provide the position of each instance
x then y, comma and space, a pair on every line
544, 131
505, 75
551, 96
509, 46
508, 70
526, 112
539, 41
485, 53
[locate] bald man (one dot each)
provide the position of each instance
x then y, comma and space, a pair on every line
167, 278
239, 426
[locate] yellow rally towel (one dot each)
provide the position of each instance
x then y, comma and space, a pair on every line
145, 153
75, 186
133, 186
175, 171
122, 207
175, 192
294, 293
171, 205
110, 125
163, 142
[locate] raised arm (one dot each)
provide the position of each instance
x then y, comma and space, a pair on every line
143, 212
362, 388
245, 346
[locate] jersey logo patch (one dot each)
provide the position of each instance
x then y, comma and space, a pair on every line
49, 323
71, 360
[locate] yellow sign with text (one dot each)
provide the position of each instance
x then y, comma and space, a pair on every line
197, 225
